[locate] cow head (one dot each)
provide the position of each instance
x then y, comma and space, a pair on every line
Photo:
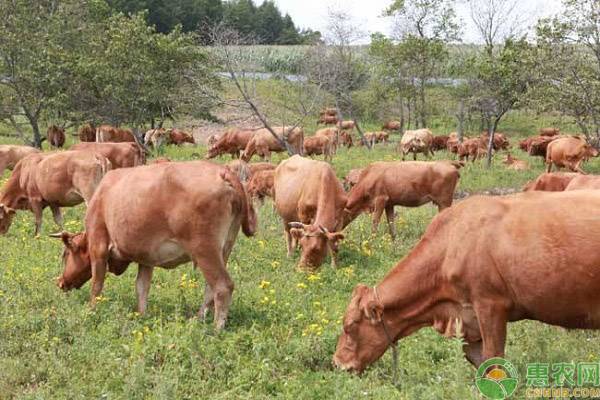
314, 241
6, 217
590, 151
363, 339
77, 268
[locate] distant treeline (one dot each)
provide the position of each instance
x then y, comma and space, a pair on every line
264, 23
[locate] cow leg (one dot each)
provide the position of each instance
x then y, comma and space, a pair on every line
99, 258
414, 156
289, 240
473, 352
577, 168
403, 155
38, 212
390, 216
548, 166
492, 325
379, 207
142, 286
216, 276
57, 215
209, 302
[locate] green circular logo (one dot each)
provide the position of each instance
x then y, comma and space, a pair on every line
497, 378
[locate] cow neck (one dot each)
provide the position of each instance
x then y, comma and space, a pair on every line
328, 204
10, 193
412, 294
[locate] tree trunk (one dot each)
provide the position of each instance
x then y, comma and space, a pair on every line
422, 113
37, 136
490, 146
408, 108
461, 119
401, 116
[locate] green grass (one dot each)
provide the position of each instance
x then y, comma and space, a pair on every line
282, 327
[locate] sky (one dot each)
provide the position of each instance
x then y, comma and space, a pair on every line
312, 14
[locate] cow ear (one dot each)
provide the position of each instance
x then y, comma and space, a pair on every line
297, 233
373, 311
335, 236
8, 210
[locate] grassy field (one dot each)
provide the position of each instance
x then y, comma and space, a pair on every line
282, 327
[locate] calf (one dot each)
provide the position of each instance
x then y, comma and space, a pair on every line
317, 145
383, 185
179, 137
550, 182
483, 263
261, 184
55, 136
568, 152
310, 200
514, 163
194, 212
121, 155
474, 147
52, 180
10, 155
418, 141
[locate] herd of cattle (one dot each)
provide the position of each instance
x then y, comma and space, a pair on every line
481, 263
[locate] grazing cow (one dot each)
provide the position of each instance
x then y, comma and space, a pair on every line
474, 147
52, 180
583, 182
439, 143
349, 125
418, 141
310, 199
334, 135
383, 185
549, 131
483, 263
179, 137
538, 145
107, 133
377, 137
263, 142
524, 144
195, 213
244, 170
550, 182
232, 142
346, 139
261, 184
328, 120
329, 111
568, 152
87, 133
514, 163
391, 126
121, 155
10, 155
500, 142
453, 144
156, 137
352, 177
317, 145
55, 136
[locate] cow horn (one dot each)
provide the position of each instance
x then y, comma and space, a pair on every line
58, 235
298, 225
323, 229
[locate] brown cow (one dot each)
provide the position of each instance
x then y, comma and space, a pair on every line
346, 139
349, 125
483, 263
335, 135
310, 199
121, 155
232, 142
55, 136
155, 137
10, 155
328, 120
52, 180
263, 142
179, 137
352, 177
500, 142
439, 143
551, 182
317, 145
453, 144
87, 133
329, 111
383, 185
549, 131
261, 184
107, 133
377, 137
568, 152
514, 163
391, 126
538, 145
583, 182
244, 170
474, 147
195, 213
212, 140
418, 141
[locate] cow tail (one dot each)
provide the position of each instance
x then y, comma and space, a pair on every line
249, 220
